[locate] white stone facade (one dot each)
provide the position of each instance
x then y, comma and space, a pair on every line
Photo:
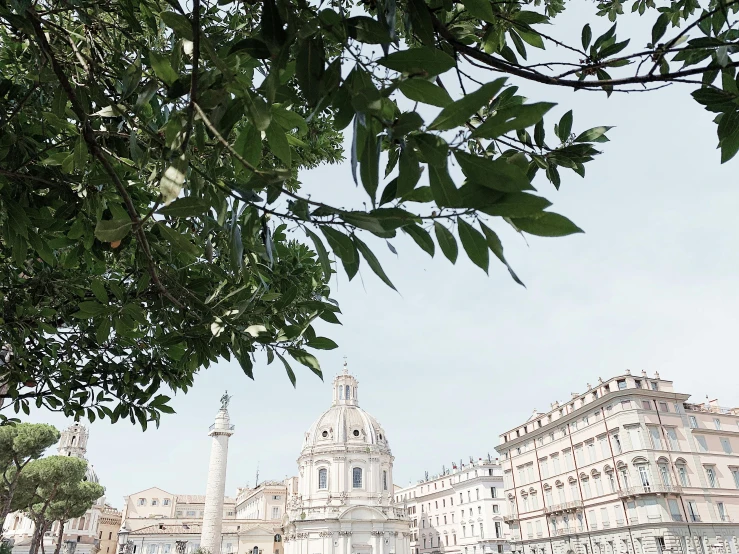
221, 431
628, 467
344, 501
459, 511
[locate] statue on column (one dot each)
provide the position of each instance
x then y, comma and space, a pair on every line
225, 399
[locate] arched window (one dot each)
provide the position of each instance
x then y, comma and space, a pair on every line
347, 392
341, 392
357, 477
384, 480
322, 478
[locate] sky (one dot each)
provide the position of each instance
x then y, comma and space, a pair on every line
457, 357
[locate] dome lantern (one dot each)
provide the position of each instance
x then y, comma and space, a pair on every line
345, 389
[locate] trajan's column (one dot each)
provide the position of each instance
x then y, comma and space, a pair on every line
221, 430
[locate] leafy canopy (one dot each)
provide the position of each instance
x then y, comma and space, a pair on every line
153, 219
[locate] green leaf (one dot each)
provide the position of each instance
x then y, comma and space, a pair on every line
98, 289
587, 36
308, 360
179, 242
462, 110
433, 148
420, 90
252, 46
564, 128
660, 27
322, 253
596, 134
496, 247
409, 172
322, 343
512, 118
447, 242
369, 163
309, 69
496, 174
480, 9
367, 30
278, 143
443, 188
474, 244
423, 60
178, 23
372, 261
546, 224
728, 133
188, 206
290, 372
162, 67
517, 204
421, 237
342, 246
112, 230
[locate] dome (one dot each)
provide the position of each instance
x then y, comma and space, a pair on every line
90, 475
345, 423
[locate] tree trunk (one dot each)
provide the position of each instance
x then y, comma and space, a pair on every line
38, 536
5, 508
59, 537
43, 548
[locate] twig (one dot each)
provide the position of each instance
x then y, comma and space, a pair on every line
194, 77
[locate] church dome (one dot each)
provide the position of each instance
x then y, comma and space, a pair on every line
345, 423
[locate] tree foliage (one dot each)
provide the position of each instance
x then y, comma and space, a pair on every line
20, 444
153, 219
47, 487
73, 501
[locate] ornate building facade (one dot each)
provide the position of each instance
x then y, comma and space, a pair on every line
628, 467
343, 501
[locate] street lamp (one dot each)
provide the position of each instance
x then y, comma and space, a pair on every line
124, 545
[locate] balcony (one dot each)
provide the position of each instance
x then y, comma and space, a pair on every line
510, 518
222, 427
564, 507
650, 489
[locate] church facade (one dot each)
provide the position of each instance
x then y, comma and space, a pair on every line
344, 501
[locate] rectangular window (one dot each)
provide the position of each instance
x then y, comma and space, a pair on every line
621, 384
711, 475
672, 438
693, 511
569, 465
604, 517
646, 405
603, 444
654, 385
674, 509
544, 468
721, 511
616, 440
663, 407
726, 445
717, 423
530, 472
654, 433
702, 444
682, 473
165, 502
493, 492
735, 474
142, 502
693, 422
275, 512
591, 452
626, 404
154, 502
555, 463
357, 477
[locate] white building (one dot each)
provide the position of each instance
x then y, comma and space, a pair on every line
344, 502
81, 535
628, 466
460, 511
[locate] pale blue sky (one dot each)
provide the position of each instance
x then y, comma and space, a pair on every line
458, 357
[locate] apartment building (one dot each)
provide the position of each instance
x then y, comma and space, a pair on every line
628, 467
459, 511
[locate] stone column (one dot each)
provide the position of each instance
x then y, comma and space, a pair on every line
221, 431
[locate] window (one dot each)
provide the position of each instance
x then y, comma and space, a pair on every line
646, 405
482, 531
493, 492
721, 511
637, 382
621, 384
477, 494
555, 463
617, 443
726, 445
498, 530
496, 509
654, 386
672, 441
602, 441
357, 477
591, 451
663, 407
275, 512
664, 474
735, 474
154, 502
626, 404
548, 497
711, 476
693, 511
165, 502
693, 422
586, 488
384, 481
323, 478
142, 502
644, 475
717, 423
702, 444
598, 485
656, 438
611, 481
682, 473
674, 509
